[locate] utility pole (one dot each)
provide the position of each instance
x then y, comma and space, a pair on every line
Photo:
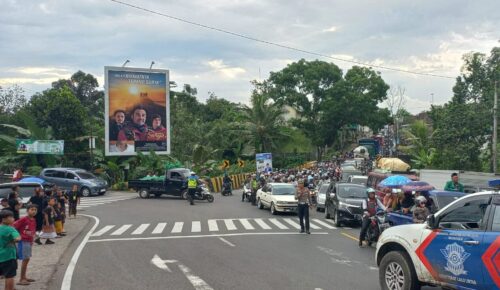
494, 149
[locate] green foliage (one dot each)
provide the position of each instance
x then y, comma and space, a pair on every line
33, 170
327, 100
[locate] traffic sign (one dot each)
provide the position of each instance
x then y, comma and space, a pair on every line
241, 163
225, 164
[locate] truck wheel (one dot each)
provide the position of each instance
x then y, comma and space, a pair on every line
143, 193
396, 272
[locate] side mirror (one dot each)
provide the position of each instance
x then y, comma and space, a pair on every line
76, 178
431, 222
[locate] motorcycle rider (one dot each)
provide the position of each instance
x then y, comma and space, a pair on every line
370, 207
192, 184
227, 182
421, 211
247, 185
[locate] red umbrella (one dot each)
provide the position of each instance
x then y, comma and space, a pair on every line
417, 186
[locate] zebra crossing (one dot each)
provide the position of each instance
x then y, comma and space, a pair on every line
211, 226
87, 202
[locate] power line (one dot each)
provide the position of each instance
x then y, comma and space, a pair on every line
277, 44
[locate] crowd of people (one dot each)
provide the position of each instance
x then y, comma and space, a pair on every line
44, 221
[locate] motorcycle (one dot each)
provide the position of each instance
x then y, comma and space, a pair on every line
202, 193
378, 224
226, 189
247, 192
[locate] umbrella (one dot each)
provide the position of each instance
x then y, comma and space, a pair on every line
394, 181
418, 186
33, 179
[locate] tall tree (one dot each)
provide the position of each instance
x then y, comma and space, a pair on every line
325, 99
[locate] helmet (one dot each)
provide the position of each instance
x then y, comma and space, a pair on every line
192, 173
369, 190
420, 199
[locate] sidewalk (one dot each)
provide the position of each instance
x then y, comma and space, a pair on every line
46, 258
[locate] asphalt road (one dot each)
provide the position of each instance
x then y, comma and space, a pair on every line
164, 243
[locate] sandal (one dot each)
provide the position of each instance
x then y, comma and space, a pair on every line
24, 283
30, 280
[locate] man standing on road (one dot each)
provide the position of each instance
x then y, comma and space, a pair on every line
303, 196
370, 207
255, 187
192, 184
453, 184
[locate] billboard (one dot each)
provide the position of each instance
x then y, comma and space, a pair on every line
28, 146
137, 111
264, 162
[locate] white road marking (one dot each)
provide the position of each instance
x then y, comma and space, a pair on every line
201, 236
262, 224
313, 226
278, 224
104, 199
162, 264
140, 229
121, 230
177, 227
347, 228
212, 226
196, 281
103, 231
227, 242
68, 275
324, 224
195, 227
292, 223
246, 224
330, 221
159, 228
230, 225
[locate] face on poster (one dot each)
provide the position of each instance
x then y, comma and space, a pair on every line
137, 111
264, 162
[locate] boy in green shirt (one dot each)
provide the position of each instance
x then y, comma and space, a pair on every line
8, 238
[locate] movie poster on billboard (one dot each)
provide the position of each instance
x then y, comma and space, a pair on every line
137, 111
264, 162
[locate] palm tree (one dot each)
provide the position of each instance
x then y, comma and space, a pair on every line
263, 123
419, 136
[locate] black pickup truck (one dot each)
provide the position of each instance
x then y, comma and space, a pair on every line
173, 184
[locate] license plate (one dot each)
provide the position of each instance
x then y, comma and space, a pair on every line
103, 190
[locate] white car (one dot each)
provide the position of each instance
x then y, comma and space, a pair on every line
279, 197
457, 248
358, 179
320, 206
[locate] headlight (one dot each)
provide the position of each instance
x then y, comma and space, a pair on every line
281, 202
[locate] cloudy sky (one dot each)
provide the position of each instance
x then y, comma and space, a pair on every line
42, 41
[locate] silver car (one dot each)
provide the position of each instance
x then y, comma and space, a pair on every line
88, 184
322, 196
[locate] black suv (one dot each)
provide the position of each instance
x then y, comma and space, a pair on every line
344, 202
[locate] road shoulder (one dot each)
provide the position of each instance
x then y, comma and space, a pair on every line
47, 259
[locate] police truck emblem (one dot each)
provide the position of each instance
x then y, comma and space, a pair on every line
455, 256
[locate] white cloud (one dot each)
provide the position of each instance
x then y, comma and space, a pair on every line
331, 29
218, 66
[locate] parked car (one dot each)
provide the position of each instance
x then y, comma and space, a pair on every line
320, 205
278, 197
26, 190
173, 184
358, 179
344, 203
88, 184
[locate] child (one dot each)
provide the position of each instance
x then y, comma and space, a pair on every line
73, 200
8, 238
48, 229
26, 226
58, 220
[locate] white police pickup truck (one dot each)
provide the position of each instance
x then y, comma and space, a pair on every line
458, 248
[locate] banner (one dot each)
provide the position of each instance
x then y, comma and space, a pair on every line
27, 146
264, 162
137, 111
